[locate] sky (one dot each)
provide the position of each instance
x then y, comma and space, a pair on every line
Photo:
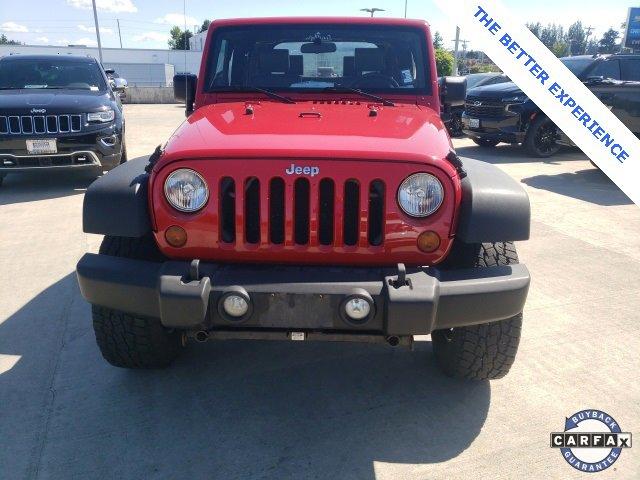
146, 23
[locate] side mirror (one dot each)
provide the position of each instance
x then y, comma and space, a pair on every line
453, 91
119, 84
184, 89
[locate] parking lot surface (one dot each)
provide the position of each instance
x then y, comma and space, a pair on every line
278, 410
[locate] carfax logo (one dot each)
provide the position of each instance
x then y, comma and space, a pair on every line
592, 440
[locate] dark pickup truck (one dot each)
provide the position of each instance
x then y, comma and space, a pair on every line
503, 112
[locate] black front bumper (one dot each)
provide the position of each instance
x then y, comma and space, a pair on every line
304, 298
97, 149
506, 129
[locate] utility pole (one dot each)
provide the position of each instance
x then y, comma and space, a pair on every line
455, 51
119, 34
372, 10
586, 41
405, 8
95, 19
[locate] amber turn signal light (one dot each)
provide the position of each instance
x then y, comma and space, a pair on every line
428, 241
175, 236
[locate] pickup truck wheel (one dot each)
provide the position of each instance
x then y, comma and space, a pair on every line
485, 142
542, 138
127, 340
479, 352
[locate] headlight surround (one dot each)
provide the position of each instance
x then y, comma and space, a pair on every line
420, 195
103, 116
186, 190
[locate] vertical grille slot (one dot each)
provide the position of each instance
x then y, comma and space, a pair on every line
14, 125
252, 210
52, 124
376, 212
38, 124
301, 211
327, 195
351, 212
27, 125
76, 123
64, 123
227, 210
276, 211
4, 125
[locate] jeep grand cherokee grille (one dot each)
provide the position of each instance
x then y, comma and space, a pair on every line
329, 214
40, 124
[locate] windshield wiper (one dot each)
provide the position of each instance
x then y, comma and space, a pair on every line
251, 88
384, 101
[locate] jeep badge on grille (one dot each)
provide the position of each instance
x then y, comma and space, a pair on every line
296, 170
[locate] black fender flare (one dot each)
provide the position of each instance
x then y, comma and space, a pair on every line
116, 203
495, 207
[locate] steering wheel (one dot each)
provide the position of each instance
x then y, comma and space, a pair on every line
375, 79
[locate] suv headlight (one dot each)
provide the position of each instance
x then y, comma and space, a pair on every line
420, 195
186, 190
102, 117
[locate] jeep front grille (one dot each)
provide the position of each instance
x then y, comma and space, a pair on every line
300, 212
40, 124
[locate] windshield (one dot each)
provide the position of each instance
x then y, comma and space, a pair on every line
300, 58
51, 74
577, 65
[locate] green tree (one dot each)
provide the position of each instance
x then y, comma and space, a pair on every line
561, 49
444, 62
438, 41
205, 26
577, 38
592, 47
5, 41
551, 34
535, 28
609, 42
179, 40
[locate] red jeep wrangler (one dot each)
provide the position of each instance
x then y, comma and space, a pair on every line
312, 194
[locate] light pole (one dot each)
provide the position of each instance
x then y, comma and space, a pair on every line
405, 8
372, 10
95, 19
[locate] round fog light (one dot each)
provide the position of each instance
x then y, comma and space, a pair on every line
428, 241
235, 305
357, 308
176, 236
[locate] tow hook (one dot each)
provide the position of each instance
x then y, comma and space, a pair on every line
401, 281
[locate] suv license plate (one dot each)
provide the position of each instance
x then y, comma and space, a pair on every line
474, 123
42, 146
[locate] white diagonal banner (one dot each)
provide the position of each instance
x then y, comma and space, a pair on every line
564, 98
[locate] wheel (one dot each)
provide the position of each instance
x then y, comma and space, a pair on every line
131, 341
479, 352
485, 142
542, 138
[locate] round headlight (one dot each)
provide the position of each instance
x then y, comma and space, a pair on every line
186, 190
420, 195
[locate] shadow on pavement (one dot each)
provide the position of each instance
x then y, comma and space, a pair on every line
515, 154
224, 410
590, 185
29, 187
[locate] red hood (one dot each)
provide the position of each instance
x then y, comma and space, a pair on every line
310, 129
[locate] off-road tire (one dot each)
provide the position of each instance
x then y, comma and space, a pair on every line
479, 352
538, 142
485, 142
131, 341
123, 157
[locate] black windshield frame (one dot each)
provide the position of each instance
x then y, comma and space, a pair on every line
294, 32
